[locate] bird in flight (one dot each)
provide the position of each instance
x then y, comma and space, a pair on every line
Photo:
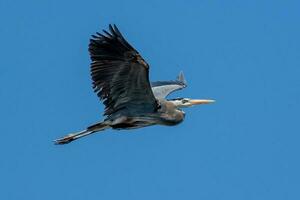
121, 80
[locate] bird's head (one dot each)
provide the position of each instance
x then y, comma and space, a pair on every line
186, 102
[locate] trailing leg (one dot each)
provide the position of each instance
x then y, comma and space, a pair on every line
74, 136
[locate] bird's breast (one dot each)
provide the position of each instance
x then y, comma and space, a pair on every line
172, 119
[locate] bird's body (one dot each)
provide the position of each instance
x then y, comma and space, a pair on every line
121, 80
167, 114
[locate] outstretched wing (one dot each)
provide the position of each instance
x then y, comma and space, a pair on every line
162, 89
120, 75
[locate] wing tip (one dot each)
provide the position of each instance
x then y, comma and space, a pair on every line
181, 78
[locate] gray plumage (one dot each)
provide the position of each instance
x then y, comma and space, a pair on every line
121, 80
161, 89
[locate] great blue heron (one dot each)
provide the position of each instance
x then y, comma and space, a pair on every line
121, 80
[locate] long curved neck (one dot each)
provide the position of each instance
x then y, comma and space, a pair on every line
170, 113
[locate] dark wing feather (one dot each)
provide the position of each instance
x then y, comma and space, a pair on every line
120, 75
162, 89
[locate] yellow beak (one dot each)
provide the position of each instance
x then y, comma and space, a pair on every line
201, 101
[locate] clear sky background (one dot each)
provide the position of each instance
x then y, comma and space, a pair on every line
244, 54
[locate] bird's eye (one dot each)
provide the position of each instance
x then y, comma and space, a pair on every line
184, 101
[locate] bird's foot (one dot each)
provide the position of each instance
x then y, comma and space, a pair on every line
65, 140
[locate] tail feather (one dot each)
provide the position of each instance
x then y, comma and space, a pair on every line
74, 136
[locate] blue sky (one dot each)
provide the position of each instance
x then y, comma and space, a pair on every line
244, 54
